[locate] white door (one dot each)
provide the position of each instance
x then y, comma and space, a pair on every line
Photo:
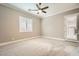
70, 30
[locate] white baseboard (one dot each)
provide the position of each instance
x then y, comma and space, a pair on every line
72, 41
48, 37
60, 39
10, 42
53, 38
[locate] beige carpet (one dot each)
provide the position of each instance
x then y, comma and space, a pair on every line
40, 47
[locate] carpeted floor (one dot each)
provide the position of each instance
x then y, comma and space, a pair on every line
40, 47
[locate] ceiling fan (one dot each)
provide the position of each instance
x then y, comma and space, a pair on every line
39, 8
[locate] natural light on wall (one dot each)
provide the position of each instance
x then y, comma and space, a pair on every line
25, 24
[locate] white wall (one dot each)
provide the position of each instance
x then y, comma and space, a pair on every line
53, 26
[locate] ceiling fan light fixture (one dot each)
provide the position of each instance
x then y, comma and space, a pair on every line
39, 11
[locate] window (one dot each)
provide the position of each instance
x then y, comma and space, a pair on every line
25, 24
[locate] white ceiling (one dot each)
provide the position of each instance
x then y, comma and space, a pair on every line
53, 9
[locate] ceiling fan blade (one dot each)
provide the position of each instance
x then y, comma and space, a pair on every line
44, 8
32, 10
37, 6
37, 12
44, 11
